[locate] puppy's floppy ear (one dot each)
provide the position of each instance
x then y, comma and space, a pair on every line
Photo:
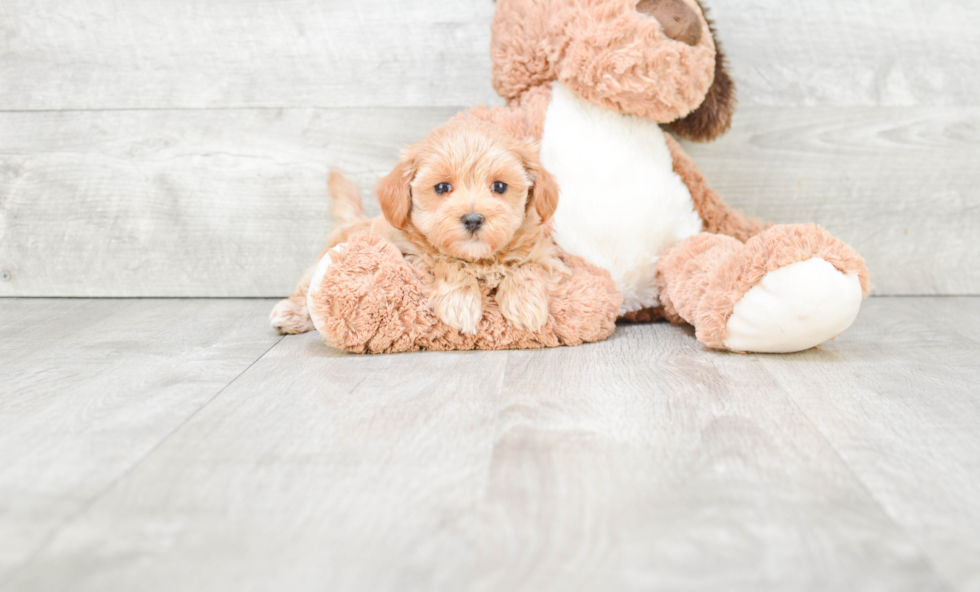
395, 193
543, 194
714, 116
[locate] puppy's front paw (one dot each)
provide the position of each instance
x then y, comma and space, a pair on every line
291, 317
460, 308
523, 301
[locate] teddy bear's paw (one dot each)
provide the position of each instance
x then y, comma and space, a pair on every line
794, 308
291, 316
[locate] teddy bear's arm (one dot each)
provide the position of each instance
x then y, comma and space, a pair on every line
718, 217
365, 297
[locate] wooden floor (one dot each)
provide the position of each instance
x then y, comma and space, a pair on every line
182, 445
179, 149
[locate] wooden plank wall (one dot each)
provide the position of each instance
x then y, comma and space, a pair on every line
180, 148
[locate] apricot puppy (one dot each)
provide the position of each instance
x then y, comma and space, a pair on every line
468, 206
472, 201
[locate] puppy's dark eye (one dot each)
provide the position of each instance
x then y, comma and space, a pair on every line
499, 187
443, 188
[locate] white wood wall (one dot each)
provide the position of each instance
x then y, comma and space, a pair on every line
180, 148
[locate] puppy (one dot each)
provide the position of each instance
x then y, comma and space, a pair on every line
468, 206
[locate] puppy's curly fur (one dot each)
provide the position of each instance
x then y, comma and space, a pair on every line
469, 205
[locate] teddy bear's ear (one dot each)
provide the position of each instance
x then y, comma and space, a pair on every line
714, 116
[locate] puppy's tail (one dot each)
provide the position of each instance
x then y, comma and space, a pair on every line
347, 206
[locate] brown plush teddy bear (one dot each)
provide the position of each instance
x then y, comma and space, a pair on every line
594, 82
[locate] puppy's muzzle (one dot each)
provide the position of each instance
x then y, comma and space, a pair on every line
473, 222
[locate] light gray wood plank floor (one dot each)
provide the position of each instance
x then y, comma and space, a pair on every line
91, 387
182, 445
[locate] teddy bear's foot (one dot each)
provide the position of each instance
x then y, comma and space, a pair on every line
364, 297
787, 289
794, 308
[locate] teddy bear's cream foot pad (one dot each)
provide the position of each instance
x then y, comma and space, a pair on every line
315, 283
794, 308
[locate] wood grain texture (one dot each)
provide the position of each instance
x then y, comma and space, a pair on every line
89, 388
639, 464
851, 53
321, 461
181, 203
181, 150
643, 462
121, 54
232, 203
900, 185
114, 54
902, 411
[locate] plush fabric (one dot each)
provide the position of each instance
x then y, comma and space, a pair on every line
606, 51
617, 55
702, 278
370, 300
714, 116
718, 218
621, 203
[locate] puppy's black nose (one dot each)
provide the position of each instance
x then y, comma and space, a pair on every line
473, 222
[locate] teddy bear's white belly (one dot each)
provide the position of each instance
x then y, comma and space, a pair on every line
621, 203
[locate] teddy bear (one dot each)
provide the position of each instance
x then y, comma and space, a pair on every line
603, 86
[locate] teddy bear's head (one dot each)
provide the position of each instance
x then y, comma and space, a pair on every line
656, 59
